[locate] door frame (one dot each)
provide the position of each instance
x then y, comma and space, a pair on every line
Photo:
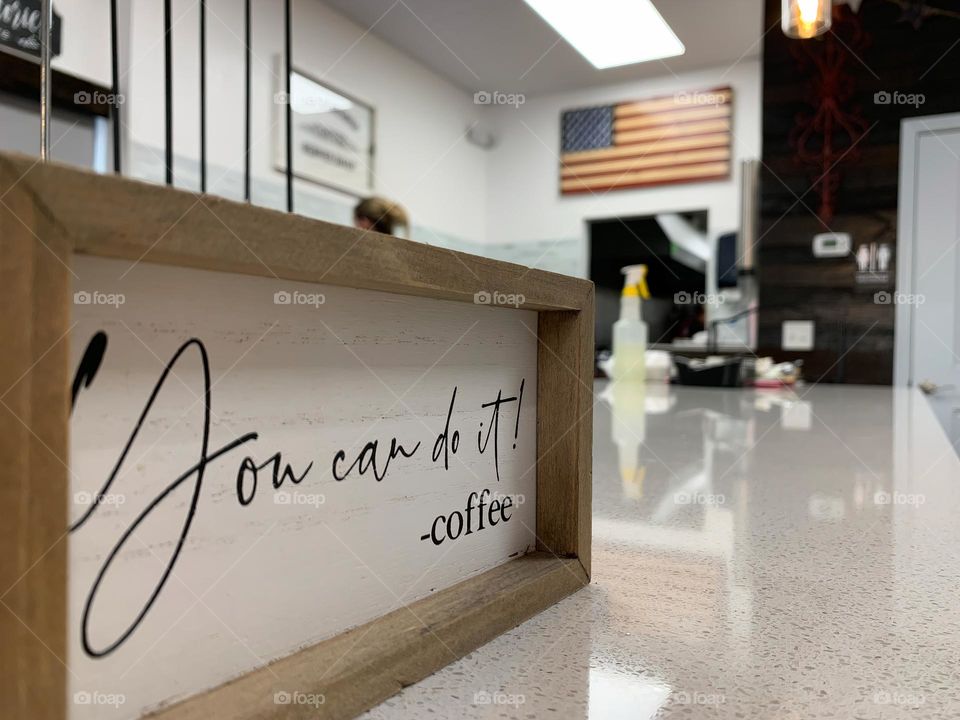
912, 130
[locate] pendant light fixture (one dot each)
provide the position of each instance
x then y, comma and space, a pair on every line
804, 19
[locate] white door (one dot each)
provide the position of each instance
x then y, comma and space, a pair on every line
928, 275
928, 298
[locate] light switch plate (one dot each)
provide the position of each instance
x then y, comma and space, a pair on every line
797, 335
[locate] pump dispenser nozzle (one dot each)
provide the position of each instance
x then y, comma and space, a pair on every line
635, 283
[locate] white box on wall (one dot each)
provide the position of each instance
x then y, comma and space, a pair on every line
797, 335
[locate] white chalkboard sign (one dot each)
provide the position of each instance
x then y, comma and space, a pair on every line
261, 466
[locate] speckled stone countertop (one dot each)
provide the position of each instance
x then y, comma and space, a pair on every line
757, 554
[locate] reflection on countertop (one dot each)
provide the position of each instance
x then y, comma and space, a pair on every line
757, 554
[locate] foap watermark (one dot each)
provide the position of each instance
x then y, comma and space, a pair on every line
898, 498
899, 697
304, 103
295, 697
298, 498
697, 498
885, 97
483, 697
682, 697
698, 298
96, 697
699, 98
284, 297
495, 97
498, 298
515, 499
86, 498
883, 297
98, 98
84, 297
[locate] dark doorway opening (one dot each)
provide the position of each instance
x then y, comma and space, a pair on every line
673, 274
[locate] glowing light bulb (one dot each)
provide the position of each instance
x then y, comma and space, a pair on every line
808, 11
806, 18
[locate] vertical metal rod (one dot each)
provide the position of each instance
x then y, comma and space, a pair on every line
46, 26
289, 108
203, 96
115, 69
246, 110
168, 88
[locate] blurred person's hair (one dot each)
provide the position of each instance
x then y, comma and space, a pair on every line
380, 214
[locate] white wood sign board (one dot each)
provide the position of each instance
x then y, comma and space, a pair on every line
313, 370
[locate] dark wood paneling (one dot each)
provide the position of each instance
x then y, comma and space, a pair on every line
881, 50
20, 76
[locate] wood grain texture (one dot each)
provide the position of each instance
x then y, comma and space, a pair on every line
854, 335
120, 218
360, 668
21, 77
33, 443
584, 497
658, 160
669, 133
654, 176
708, 98
564, 428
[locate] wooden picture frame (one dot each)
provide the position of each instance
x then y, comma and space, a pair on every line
365, 156
48, 213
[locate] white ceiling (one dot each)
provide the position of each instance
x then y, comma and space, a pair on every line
503, 45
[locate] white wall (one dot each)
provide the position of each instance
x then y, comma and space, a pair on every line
422, 157
453, 188
84, 39
523, 193
73, 138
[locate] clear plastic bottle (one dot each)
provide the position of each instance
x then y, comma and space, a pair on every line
630, 332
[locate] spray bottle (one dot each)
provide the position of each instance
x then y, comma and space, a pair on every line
630, 332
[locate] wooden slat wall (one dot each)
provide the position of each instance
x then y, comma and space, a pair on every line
685, 137
854, 336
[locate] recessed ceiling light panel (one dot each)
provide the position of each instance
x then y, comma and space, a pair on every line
610, 33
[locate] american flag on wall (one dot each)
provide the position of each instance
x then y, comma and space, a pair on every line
679, 138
